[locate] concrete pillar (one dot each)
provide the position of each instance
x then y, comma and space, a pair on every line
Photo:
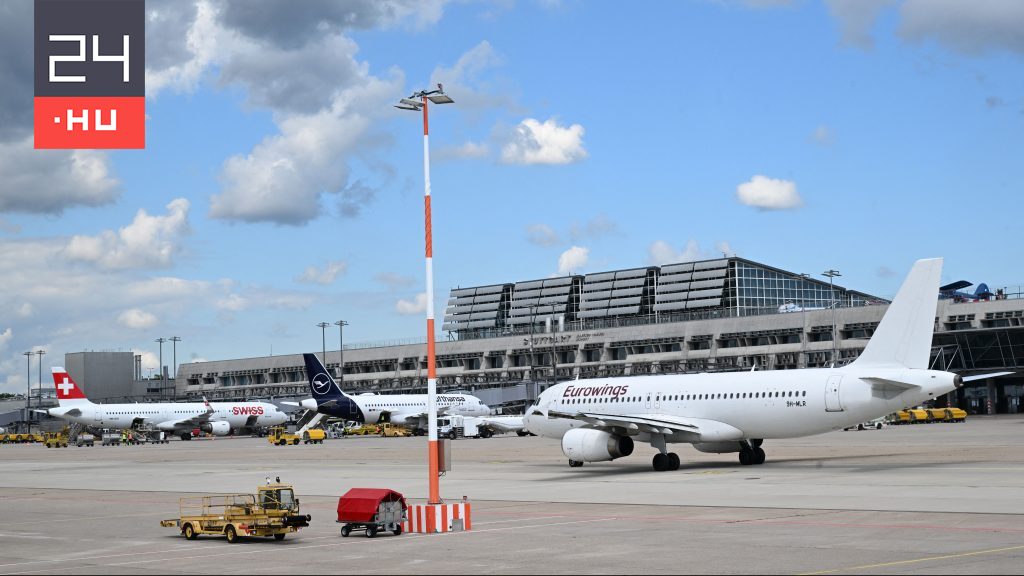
990, 385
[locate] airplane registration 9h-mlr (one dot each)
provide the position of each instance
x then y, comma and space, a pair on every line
599, 420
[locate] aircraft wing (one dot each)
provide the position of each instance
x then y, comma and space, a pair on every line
681, 428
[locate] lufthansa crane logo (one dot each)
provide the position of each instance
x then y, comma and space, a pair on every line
321, 383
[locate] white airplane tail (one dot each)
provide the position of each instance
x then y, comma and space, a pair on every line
904, 337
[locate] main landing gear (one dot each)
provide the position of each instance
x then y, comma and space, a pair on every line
751, 453
666, 462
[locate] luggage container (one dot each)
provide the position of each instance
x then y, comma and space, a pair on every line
373, 510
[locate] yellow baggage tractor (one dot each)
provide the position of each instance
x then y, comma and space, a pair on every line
278, 436
918, 416
957, 414
272, 511
389, 429
56, 440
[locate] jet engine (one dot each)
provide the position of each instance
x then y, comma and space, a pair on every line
216, 428
589, 445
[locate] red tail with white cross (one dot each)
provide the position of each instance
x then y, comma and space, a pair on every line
67, 390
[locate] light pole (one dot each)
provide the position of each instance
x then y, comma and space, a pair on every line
803, 318
174, 361
341, 348
832, 295
39, 392
323, 339
28, 389
161, 340
425, 97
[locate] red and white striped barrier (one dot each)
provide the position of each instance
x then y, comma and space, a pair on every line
435, 518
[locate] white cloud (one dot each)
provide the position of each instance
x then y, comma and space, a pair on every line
330, 272
466, 83
856, 18
542, 235
466, 150
138, 319
823, 135
171, 63
573, 259
25, 310
150, 360
533, 142
661, 252
769, 194
148, 242
969, 26
5, 338
415, 306
395, 281
49, 181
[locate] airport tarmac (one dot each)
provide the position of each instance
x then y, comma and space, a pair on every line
936, 498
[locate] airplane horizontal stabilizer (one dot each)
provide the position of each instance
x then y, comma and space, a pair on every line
983, 376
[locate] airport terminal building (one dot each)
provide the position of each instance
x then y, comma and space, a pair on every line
506, 342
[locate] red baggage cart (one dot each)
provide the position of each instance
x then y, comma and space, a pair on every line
372, 509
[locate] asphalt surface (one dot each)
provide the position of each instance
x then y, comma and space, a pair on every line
937, 498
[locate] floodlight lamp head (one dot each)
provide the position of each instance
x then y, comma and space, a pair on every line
413, 108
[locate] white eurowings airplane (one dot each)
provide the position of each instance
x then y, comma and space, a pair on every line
599, 420
405, 409
180, 418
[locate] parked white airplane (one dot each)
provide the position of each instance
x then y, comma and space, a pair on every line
405, 409
180, 418
599, 420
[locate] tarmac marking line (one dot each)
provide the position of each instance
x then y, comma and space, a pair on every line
902, 562
279, 549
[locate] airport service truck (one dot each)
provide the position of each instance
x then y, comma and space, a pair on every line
272, 512
457, 426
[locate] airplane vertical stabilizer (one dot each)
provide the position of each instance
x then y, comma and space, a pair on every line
904, 337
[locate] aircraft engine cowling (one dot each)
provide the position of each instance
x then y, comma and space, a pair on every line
216, 428
718, 447
589, 445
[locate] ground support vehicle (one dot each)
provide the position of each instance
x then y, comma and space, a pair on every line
373, 510
279, 437
458, 426
919, 416
56, 440
875, 424
313, 436
85, 439
364, 430
272, 511
110, 439
388, 429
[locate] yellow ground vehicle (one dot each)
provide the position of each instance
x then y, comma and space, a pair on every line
272, 511
364, 430
901, 417
957, 414
313, 436
939, 415
279, 437
919, 416
389, 429
56, 440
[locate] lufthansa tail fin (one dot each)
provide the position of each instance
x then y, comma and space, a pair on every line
321, 383
904, 337
68, 393
327, 394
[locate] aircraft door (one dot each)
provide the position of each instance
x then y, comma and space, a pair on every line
647, 403
657, 400
833, 402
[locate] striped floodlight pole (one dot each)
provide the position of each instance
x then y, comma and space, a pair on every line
437, 97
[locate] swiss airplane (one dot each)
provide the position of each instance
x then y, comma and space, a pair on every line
180, 418
599, 420
406, 409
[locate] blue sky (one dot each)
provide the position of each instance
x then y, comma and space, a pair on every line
279, 188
